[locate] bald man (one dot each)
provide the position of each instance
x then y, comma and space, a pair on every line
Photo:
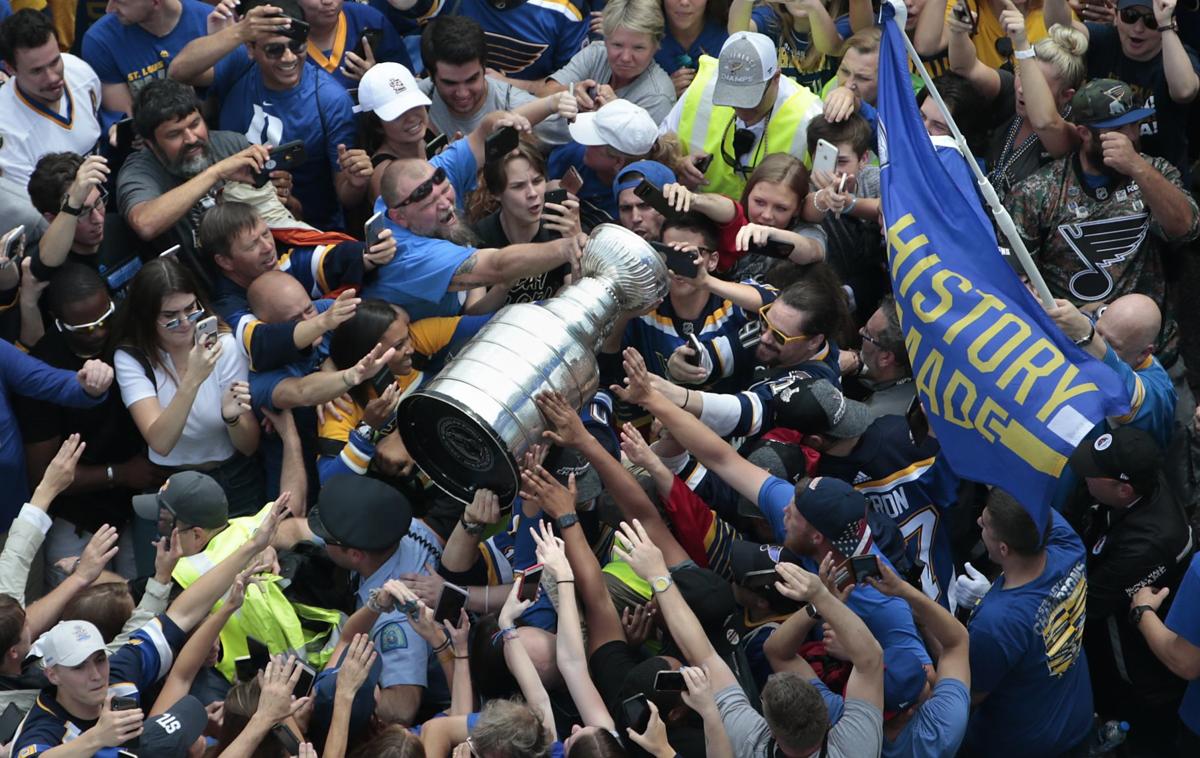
436, 262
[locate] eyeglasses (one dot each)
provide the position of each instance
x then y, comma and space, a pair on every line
424, 189
274, 50
1131, 17
779, 336
867, 336
99, 205
92, 326
196, 312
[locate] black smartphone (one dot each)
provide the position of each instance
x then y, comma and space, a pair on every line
697, 350
434, 145
772, 249
757, 580
285, 157
557, 196
124, 704
530, 580
918, 422
304, 685
682, 262
703, 164
383, 379
286, 739
260, 656
450, 603
636, 712
125, 135
9, 722
865, 567
653, 197
500, 143
297, 30
669, 681
372, 37
244, 669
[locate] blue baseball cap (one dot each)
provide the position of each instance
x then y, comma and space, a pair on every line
324, 688
632, 175
903, 680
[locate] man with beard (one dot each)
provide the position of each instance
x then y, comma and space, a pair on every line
168, 184
438, 262
1099, 220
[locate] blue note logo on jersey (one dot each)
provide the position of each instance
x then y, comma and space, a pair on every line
1007, 393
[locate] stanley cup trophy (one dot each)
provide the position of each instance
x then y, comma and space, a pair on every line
469, 426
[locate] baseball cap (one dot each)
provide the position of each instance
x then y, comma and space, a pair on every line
786, 460
746, 66
70, 643
389, 90
1122, 4
1125, 454
194, 498
1106, 104
815, 406
709, 596
903, 680
652, 171
172, 733
561, 462
621, 125
746, 556
361, 710
360, 512
836, 510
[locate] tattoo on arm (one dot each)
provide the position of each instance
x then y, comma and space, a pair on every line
468, 265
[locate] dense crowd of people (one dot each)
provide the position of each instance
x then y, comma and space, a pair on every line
234, 235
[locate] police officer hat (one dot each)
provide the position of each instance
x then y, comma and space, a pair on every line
359, 512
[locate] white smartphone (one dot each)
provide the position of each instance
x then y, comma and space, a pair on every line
375, 224
206, 329
825, 159
14, 244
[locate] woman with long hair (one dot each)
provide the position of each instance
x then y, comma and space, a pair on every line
188, 394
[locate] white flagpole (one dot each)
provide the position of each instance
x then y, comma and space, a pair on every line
999, 212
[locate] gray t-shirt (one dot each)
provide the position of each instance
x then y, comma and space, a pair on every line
857, 734
500, 96
652, 90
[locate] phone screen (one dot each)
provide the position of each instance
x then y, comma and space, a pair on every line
304, 685
284, 736
372, 37
9, 722
450, 603
529, 583
125, 135
557, 196
636, 711
206, 329
669, 681
501, 142
865, 567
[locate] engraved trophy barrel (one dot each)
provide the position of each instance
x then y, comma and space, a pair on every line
468, 427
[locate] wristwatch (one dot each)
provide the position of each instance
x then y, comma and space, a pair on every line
65, 207
472, 528
661, 584
1136, 613
368, 432
566, 520
812, 611
1085, 341
1171, 27
1025, 54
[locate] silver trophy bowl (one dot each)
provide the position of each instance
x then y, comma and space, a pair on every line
470, 425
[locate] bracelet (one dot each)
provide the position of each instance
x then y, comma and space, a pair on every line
373, 603
462, 657
487, 590
235, 421
850, 207
109, 475
565, 581
1171, 27
442, 647
1024, 55
816, 204
687, 398
506, 631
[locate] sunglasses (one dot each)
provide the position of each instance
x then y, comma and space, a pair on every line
190, 318
274, 50
92, 326
779, 336
1131, 16
424, 189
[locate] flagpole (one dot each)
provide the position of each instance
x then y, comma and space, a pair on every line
999, 212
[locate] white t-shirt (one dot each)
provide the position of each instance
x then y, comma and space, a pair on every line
205, 438
28, 130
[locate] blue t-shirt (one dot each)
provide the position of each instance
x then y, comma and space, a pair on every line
1184, 620
594, 190
5, 9
1027, 655
354, 19
938, 728
132, 55
317, 111
889, 618
671, 55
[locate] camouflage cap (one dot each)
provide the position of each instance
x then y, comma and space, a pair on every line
1106, 104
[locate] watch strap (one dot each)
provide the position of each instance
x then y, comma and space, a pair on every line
1136, 613
566, 521
66, 207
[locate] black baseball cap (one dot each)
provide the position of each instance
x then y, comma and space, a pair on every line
172, 733
746, 556
814, 406
1126, 454
194, 499
360, 512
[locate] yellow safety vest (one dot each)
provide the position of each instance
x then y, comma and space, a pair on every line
709, 128
284, 627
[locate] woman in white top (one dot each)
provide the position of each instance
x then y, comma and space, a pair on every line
190, 401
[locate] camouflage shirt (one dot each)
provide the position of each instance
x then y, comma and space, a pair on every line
1094, 244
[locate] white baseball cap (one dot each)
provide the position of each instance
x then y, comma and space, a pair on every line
70, 643
389, 89
620, 124
747, 64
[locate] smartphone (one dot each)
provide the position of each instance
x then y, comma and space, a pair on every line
14, 244
304, 685
694, 343
434, 146
172, 250
557, 196
772, 249
918, 422
669, 681
206, 328
636, 712
124, 704
372, 37
500, 143
297, 30
825, 158
285, 157
571, 181
125, 135
371, 230
653, 197
450, 603
703, 164
758, 580
244, 669
682, 262
287, 740
383, 379
865, 567
530, 579
9, 722
260, 655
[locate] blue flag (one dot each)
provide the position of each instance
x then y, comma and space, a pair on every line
1008, 394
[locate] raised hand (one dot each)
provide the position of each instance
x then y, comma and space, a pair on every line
277, 681
60, 473
541, 489
341, 311
356, 665
638, 624
235, 401
635, 548
167, 552
484, 508
100, 549
551, 552
568, 429
637, 389
379, 410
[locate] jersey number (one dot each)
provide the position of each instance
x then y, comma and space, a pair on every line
920, 526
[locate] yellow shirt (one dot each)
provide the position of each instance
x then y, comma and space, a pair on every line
989, 30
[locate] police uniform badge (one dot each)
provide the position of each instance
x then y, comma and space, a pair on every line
392, 637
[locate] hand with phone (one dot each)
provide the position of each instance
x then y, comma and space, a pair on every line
797, 584
561, 215
356, 164
686, 364
513, 608
690, 170
380, 252
90, 175
586, 92
565, 105
699, 695
358, 61
753, 236
277, 700
115, 727
653, 738
12, 251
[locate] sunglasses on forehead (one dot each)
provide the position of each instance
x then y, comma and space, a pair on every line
274, 50
424, 189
